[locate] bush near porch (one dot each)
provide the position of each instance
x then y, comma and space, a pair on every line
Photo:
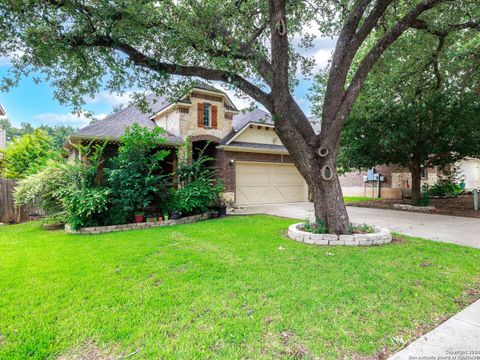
227, 288
97, 191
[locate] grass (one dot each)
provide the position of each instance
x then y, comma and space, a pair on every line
358, 199
226, 288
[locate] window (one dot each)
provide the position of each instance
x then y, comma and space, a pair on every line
206, 115
423, 172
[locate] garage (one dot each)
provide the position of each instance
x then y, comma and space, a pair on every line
470, 169
268, 183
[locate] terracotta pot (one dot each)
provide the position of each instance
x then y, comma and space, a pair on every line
139, 218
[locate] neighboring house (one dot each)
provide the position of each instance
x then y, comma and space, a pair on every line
251, 160
469, 169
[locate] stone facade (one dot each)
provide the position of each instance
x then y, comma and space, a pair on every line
181, 118
379, 237
137, 226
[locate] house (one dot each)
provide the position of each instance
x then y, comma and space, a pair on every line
251, 160
469, 169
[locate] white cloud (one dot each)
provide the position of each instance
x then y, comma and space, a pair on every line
322, 57
65, 119
106, 97
6, 60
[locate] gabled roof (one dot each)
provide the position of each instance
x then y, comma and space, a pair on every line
260, 117
114, 125
2, 111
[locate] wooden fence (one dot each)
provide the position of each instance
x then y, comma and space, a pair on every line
9, 213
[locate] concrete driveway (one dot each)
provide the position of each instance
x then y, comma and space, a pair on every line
451, 229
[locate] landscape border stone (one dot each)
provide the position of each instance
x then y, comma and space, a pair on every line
135, 226
378, 237
421, 209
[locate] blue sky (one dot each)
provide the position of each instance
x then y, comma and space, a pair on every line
35, 103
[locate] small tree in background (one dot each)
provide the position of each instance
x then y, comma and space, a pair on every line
27, 155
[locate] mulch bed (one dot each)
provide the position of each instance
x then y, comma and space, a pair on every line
459, 206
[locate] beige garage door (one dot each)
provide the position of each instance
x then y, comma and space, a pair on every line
267, 183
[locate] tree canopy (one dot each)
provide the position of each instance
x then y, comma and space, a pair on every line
58, 133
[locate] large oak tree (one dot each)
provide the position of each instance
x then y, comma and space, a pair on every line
247, 44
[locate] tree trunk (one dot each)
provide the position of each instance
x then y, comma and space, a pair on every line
317, 168
328, 201
416, 182
294, 130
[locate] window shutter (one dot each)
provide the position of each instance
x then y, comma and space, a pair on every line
200, 116
214, 117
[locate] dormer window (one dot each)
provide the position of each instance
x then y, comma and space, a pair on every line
207, 115
207, 120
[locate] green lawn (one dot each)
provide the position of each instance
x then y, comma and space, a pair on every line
227, 288
357, 199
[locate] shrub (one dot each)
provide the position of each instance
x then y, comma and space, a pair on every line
199, 189
84, 206
449, 184
135, 177
318, 227
443, 187
361, 228
27, 155
424, 198
41, 188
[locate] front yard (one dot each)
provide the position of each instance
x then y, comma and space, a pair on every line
230, 288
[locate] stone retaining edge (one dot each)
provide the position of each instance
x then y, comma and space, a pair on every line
135, 226
379, 237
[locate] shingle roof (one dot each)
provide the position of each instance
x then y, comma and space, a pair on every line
264, 117
113, 126
256, 115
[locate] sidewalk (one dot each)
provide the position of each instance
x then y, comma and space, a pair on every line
458, 338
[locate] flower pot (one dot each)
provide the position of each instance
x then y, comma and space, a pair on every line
139, 218
222, 210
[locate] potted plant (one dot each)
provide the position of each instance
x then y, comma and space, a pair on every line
175, 215
165, 216
139, 216
220, 207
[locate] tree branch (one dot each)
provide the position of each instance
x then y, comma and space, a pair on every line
374, 54
142, 60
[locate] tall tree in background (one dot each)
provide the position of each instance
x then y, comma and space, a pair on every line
247, 45
58, 133
425, 113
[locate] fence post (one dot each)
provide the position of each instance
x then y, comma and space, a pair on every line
475, 199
